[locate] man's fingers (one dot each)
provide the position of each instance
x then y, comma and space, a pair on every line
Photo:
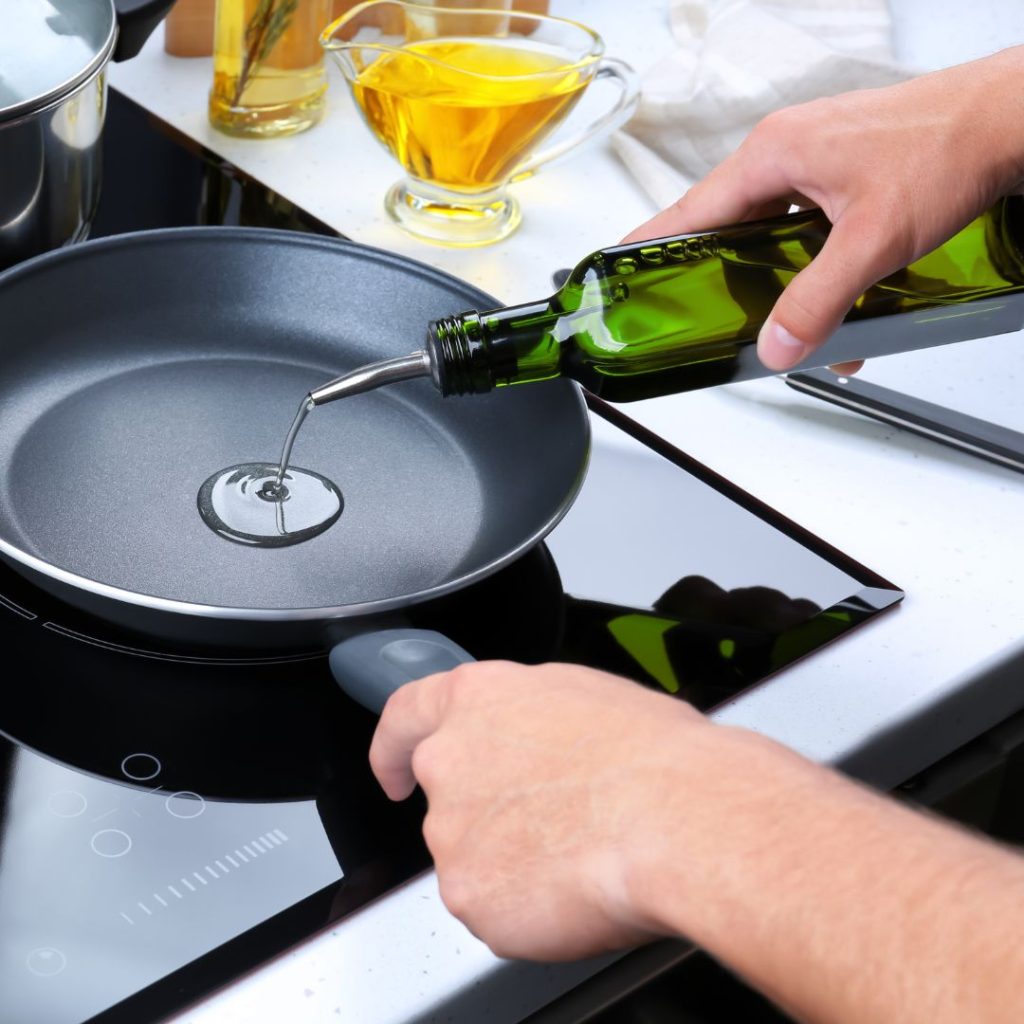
411, 715
815, 302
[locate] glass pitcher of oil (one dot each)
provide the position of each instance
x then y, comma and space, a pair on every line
463, 100
268, 70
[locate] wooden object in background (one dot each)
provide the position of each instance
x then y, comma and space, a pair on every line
189, 31
392, 21
530, 7
189, 28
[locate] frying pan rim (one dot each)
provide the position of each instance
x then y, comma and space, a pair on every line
152, 602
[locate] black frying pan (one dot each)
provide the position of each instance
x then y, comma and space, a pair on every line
132, 368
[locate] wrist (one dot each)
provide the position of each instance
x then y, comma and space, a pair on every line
1015, 159
991, 118
720, 796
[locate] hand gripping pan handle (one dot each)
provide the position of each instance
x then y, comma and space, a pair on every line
372, 666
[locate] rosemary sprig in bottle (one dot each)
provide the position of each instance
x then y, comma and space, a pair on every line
266, 26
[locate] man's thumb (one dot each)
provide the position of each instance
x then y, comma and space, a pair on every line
814, 303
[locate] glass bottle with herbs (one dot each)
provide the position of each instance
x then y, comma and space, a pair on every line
268, 69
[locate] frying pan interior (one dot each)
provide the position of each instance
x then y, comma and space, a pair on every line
131, 369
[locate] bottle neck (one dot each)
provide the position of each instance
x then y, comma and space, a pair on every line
473, 352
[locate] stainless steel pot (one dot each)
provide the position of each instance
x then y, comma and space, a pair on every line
53, 60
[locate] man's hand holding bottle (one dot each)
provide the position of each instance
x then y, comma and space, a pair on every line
897, 171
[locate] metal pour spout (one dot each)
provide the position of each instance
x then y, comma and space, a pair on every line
375, 375
366, 378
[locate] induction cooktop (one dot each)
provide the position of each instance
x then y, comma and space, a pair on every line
172, 817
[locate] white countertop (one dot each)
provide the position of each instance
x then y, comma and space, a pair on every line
886, 701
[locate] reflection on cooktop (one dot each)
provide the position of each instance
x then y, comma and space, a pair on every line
690, 585
240, 726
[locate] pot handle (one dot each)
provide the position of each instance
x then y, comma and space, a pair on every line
372, 666
136, 20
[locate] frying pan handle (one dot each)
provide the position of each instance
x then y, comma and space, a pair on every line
372, 666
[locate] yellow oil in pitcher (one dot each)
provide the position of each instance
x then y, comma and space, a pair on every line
463, 113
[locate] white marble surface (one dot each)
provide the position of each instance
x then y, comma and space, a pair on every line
942, 525
339, 172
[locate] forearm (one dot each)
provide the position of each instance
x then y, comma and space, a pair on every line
837, 902
572, 812
990, 118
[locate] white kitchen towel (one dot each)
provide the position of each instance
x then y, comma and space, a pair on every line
738, 60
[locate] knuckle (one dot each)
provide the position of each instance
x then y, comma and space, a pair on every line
777, 126
490, 670
427, 765
456, 893
691, 198
882, 238
798, 307
465, 681
435, 834
462, 678
809, 323
819, 111
796, 134
402, 701
504, 947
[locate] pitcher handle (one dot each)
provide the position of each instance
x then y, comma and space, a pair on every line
629, 84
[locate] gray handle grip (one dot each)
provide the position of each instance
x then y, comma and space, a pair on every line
371, 667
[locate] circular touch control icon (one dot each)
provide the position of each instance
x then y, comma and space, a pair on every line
111, 842
141, 767
185, 804
46, 961
67, 803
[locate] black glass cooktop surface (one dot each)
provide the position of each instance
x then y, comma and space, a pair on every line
170, 818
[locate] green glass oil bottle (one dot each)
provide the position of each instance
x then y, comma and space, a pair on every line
675, 314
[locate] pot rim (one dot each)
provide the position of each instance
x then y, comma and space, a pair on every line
39, 104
